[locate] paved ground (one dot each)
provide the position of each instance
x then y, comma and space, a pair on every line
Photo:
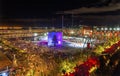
4, 61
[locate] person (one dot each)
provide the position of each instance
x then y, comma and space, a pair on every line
88, 45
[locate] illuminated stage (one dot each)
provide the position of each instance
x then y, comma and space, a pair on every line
70, 42
55, 39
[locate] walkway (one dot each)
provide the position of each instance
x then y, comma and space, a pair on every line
4, 61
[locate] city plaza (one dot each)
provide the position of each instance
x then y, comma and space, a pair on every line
26, 51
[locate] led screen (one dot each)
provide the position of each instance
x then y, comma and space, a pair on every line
55, 39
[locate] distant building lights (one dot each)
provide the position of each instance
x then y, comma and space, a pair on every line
110, 28
35, 34
118, 28
97, 28
114, 28
101, 28
106, 28
45, 34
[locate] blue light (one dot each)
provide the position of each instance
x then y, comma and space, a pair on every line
54, 38
4, 74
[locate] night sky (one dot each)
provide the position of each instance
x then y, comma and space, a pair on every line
35, 8
43, 10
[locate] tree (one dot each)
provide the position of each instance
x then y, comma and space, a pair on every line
54, 40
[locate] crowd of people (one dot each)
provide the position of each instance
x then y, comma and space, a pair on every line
30, 59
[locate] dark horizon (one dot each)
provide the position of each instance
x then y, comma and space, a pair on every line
49, 13
48, 9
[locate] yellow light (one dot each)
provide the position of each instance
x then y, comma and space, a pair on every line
92, 69
72, 32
